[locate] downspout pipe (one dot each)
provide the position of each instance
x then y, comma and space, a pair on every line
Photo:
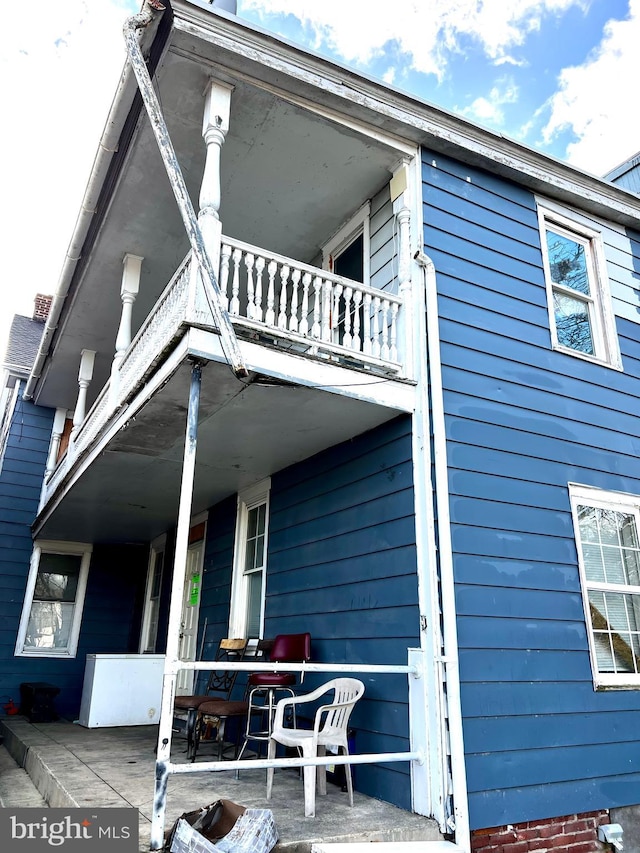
447, 588
221, 317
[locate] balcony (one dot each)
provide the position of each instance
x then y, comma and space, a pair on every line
274, 302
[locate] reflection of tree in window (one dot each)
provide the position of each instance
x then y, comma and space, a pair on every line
611, 555
53, 603
569, 270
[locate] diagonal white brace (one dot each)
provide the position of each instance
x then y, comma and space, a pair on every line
212, 291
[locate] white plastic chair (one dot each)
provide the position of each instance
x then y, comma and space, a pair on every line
329, 729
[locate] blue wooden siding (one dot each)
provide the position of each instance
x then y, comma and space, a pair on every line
522, 421
116, 576
383, 256
341, 565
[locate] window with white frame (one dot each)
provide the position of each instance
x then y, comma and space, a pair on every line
607, 529
8, 402
580, 311
54, 599
250, 562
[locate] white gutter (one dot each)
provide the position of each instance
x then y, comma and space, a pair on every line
449, 659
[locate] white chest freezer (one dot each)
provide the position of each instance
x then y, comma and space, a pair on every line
121, 690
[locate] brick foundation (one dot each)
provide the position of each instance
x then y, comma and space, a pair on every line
574, 833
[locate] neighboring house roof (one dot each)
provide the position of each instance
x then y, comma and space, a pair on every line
24, 339
627, 174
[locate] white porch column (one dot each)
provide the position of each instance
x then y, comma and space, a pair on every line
56, 434
131, 270
400, 189
85, 375
215, 125
132, 266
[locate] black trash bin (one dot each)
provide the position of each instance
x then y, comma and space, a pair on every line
37, 701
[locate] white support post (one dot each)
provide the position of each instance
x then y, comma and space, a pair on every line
171, 660
85, 375
56, 434
421, 782
215, 126
405, 319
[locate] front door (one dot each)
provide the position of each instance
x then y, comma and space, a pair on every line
189, 623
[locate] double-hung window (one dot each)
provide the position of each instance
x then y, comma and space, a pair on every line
250, 562
54, 599
607, 528
580, 312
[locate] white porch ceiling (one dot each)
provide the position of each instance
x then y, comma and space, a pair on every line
130, 492
289, 179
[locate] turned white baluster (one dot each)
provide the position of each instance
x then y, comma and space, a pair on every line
367, 325
326, 311
85, 375
347, 338
393, 349
225, 257
375, 327
334, 315
304, 310
235, 285
56, 434
249, 261
293, 317
384, 321
260, 264
317, 287
284, 280
270, 316
356, 342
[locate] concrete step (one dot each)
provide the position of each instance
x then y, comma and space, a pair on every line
16, 788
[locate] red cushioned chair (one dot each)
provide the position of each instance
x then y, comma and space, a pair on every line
263, 687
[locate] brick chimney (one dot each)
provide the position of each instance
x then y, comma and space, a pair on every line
41, 307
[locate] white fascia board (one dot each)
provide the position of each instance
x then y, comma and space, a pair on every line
359, 98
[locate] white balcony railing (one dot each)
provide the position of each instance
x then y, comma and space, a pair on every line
318, 312
271, 299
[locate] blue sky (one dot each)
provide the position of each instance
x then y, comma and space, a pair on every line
558, 75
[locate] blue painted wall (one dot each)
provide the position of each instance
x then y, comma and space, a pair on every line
522, 421
114, 588
341, 565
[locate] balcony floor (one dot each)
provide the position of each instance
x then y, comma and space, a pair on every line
114, 767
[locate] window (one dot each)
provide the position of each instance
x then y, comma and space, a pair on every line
607, 529
250, 562
347, 254
152, 596
580, 312
54, 598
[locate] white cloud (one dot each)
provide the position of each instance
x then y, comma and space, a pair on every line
60, 64
596, 100
426, 32
489, 110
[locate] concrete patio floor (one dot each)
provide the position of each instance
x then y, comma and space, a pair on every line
74, 766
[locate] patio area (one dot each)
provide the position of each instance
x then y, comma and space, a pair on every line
114, 767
